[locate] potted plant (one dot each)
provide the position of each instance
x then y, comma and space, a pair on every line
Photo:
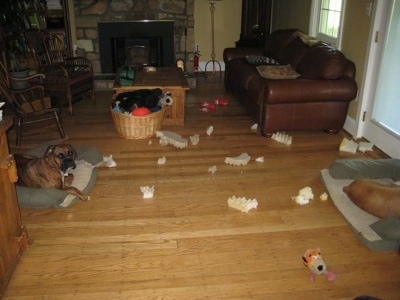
13, 25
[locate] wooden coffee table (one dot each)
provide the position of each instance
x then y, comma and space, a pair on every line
168, 79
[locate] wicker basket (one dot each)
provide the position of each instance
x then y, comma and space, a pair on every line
132, 127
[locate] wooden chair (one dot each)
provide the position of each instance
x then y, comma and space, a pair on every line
29, 105
69, 78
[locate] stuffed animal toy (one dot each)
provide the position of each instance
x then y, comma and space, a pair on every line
165, 99
140, 111
139, 98
312, 259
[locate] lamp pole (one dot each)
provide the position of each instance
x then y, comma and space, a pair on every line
213, 56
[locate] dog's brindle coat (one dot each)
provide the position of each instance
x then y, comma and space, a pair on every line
50, 170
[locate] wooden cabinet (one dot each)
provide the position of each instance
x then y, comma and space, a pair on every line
13, 235
255, 23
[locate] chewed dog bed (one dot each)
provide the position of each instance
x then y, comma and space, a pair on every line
376, 234
85, 175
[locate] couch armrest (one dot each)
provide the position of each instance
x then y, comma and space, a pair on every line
241, 52
304, 90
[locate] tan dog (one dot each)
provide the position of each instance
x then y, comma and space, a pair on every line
378, 199
50, 170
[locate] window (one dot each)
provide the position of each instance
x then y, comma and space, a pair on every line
326, 20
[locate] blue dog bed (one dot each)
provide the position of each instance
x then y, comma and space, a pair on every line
376, 234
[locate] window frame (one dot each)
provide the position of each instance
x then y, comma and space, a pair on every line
315, 21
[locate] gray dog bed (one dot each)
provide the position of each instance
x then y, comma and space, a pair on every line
85, 176
376, 234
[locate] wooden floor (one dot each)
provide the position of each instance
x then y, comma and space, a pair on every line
186, 243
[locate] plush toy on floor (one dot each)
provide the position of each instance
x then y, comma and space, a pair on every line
312, 259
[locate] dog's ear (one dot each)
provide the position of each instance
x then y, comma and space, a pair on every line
50, 150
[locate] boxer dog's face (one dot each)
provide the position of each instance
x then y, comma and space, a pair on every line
61, 157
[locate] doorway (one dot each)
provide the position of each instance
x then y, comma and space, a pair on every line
380, 122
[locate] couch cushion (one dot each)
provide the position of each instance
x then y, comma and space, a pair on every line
240, 73
293, 53
277, 41
277, 72
321, 61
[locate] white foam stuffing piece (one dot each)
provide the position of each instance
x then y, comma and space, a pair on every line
254, 126
194, 139
323, 196
212, 169
209, 130
348, 146
242, 204
282, 137
301, 200
260, 159
365, 146
162, 160
171, 138
304, 196
240, 160
108, 161
148, 192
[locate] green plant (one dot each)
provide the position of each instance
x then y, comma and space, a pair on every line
13, 23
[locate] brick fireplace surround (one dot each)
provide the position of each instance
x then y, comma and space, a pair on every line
89, 13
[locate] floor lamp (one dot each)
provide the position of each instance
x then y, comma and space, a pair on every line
213, 61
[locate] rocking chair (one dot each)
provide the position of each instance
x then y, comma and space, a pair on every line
29, 105
66, 77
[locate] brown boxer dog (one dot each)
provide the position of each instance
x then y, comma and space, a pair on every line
50, 170
380, 200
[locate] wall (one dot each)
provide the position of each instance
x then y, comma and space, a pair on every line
291, 14
227, 23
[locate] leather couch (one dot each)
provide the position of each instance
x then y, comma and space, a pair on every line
317, 100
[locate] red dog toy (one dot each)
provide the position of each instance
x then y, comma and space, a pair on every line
140, 111
222, 102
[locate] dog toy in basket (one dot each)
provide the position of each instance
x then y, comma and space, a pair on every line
312, 259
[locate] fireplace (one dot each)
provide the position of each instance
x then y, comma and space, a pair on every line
136, 42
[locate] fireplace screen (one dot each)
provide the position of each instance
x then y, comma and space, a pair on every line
137, 55
137, 43
138, 52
